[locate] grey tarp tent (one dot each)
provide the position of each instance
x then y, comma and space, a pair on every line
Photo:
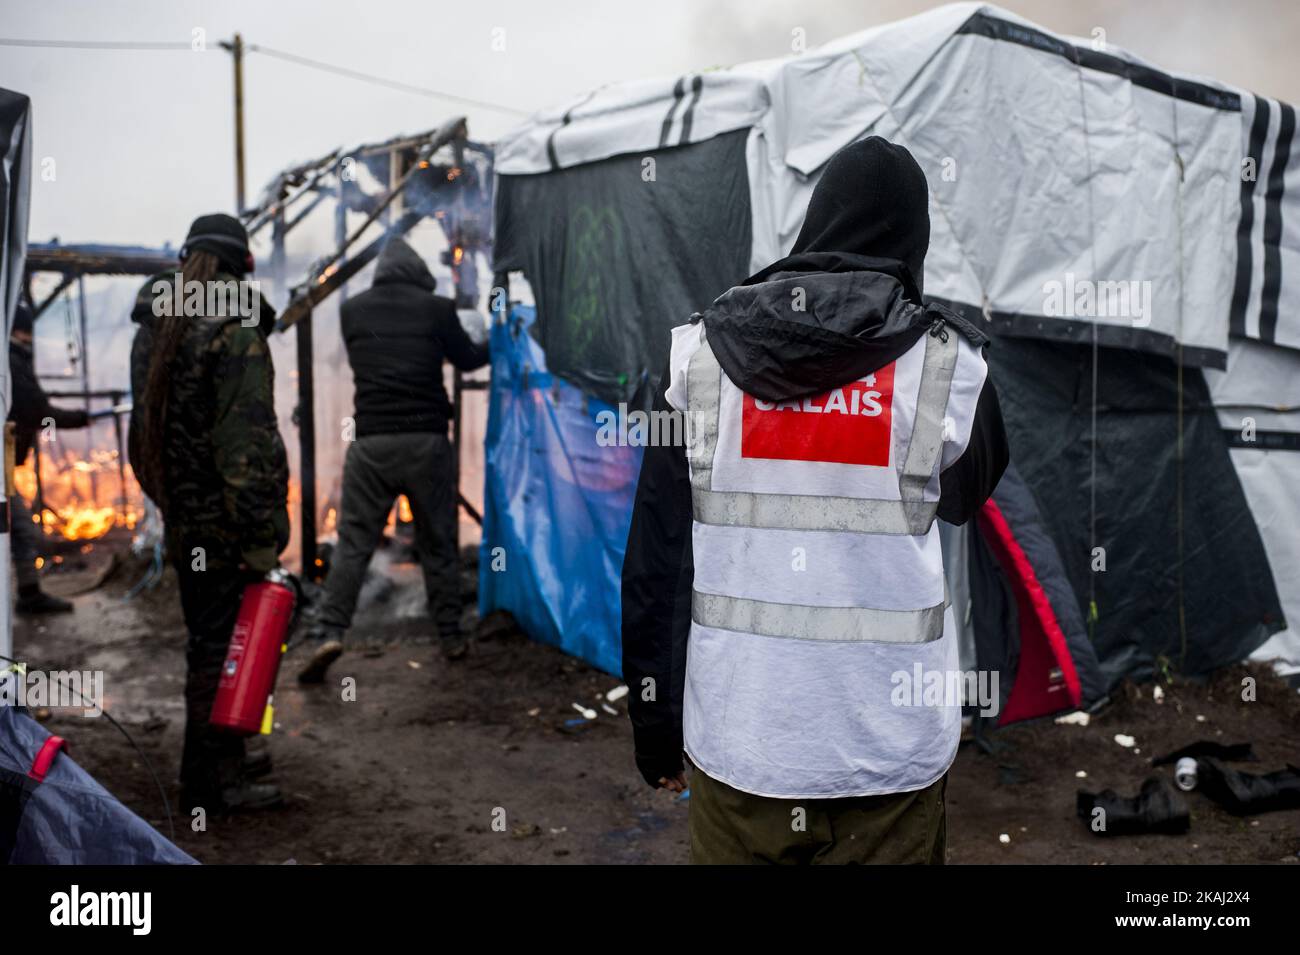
53, 812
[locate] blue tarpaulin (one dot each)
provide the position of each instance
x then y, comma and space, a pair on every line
556, 503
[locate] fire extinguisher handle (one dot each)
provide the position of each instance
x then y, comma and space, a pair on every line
284, 577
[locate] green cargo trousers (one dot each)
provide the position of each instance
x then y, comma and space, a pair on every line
730, 827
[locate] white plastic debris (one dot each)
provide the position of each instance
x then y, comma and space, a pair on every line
616, 694
1081, 775
1158, 694
609, 709
1200, 718
1004, 839
587, 714
1128, 742
1077, 718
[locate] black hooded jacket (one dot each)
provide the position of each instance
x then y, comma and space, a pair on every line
397, 334
30, 407
857, 270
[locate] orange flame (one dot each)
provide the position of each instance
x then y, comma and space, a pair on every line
82, 497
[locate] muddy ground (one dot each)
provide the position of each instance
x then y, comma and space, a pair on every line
430, 752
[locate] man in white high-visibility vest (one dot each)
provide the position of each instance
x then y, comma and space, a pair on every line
783, 566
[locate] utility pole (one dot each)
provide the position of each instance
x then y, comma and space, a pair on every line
236, 50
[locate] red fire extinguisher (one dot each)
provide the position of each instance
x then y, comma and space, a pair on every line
243, 703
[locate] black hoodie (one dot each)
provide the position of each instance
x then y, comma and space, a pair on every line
397, 334
845, 302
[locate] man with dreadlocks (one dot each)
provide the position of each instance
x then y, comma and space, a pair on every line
205, 447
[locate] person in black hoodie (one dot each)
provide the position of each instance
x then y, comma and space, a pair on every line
397, 335
30, 411
860, 260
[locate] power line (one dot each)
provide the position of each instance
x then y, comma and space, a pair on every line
271, 52
379, 80
99, 44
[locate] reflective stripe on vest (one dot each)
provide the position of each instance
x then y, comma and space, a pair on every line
912, 515
801, 622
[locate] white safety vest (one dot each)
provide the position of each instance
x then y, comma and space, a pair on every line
819, 615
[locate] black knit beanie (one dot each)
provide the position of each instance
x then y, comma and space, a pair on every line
225, 237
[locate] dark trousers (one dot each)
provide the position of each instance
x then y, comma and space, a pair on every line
24, 545
730, 827
378, 468
210, 600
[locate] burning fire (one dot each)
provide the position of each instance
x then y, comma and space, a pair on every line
83, 498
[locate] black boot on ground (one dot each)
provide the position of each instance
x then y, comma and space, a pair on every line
36, 601
256, 765
455, 648
324, 645
241, 797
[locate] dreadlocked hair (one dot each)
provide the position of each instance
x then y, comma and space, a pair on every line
168, 333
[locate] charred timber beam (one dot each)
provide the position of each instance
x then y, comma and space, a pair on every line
68, 279
452, 131
306, 299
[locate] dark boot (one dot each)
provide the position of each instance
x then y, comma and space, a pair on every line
256, 765
325, 645
455, 646
241, 797
35, 601
250, 797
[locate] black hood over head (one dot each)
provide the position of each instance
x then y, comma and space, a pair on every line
399, 263
871, 200
847, 300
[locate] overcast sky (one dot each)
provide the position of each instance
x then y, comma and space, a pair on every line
142, 141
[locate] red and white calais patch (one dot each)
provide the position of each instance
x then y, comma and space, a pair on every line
846, 425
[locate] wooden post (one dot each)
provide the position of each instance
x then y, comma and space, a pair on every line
307, 449
237, 54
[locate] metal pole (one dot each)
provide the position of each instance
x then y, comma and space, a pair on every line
84, 357
121, 453
38, 505
307, 449
278, 232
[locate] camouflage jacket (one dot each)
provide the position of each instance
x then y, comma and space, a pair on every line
224, 462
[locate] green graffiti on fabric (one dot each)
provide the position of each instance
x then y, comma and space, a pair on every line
595, 240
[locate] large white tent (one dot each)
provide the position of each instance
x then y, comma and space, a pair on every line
1055, 165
